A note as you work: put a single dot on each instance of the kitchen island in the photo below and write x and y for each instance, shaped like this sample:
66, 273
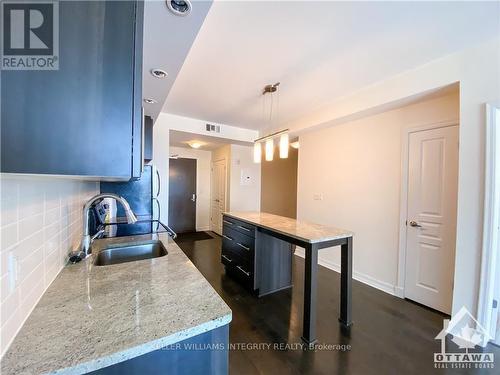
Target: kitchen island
124, 317
257, 247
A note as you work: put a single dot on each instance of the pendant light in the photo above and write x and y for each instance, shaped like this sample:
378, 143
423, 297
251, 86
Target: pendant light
284, 141
257, 152
269, 149
284, 146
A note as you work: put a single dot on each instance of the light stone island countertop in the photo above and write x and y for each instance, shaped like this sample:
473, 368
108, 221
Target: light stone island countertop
301, 230
92, 317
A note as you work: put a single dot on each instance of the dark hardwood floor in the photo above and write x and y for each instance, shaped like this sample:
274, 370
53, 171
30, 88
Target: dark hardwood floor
389, 336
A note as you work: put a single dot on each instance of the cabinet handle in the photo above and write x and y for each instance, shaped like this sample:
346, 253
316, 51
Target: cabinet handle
243, 246
226, 258
227, 222
248, 230
227, 237
242, 270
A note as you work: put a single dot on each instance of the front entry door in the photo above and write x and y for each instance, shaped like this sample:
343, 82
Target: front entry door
432, 214
218, 203
182, 195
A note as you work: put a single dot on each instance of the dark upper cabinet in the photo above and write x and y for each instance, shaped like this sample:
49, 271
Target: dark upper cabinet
148, 139
85, 118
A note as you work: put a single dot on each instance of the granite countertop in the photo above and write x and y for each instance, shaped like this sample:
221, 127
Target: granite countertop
92, 317
301, 230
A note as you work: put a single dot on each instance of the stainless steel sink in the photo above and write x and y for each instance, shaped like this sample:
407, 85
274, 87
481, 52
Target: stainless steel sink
130, 253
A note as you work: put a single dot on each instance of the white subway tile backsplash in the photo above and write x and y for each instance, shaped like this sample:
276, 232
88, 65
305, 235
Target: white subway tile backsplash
29, 245
51, 231
9, 305
29, 225
28, 281
27, 304
52, 244
40, 222
8, 202
51, 256
31, 198
29, 263
52, 215
4, 285
10, 327
8, 235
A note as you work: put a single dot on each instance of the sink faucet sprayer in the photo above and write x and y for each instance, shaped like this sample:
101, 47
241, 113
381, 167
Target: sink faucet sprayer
86, 239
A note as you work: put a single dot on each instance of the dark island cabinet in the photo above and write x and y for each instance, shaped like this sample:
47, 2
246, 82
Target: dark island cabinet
83, 119
259, 262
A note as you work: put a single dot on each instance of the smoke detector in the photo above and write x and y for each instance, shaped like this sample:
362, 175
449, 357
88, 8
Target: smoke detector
179, 7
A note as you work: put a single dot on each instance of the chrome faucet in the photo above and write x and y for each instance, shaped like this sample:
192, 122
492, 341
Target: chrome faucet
86, 239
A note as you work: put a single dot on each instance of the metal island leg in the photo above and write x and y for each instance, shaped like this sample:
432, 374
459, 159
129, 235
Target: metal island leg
310, 294
346, 283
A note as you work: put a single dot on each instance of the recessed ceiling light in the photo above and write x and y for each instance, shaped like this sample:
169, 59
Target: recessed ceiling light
150, 101
179, 7
195, 144
159, 73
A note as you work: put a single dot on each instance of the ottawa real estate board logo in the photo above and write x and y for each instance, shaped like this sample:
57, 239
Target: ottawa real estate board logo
467, 334
30, 35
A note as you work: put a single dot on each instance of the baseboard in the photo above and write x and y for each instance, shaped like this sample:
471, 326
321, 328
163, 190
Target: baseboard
399, 292
203, 229
364, 278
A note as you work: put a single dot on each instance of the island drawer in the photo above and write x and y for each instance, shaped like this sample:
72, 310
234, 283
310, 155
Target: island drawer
239, 244
240, 240
238, 225
230, 251
242, 274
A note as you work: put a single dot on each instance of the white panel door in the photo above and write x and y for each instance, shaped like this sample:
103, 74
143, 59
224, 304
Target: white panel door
432, 213
218, 200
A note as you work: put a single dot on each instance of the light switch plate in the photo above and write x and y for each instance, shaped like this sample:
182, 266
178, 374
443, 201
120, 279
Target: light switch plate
246, 177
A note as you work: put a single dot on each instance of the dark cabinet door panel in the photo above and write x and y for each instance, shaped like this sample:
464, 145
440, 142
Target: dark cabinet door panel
77, 120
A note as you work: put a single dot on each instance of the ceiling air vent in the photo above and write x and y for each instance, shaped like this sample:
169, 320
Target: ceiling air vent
213, 128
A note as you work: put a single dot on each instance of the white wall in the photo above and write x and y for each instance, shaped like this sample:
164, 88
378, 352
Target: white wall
203, 166
41, 221
356, 167
477, 71
244, 192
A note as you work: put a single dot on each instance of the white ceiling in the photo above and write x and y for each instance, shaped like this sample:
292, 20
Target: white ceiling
163, 49
319, 51
208, 143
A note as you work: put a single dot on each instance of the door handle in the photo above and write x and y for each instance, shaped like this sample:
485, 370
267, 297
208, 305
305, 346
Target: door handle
414, 224
226, 258
248, 230
193, 198
227, 237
